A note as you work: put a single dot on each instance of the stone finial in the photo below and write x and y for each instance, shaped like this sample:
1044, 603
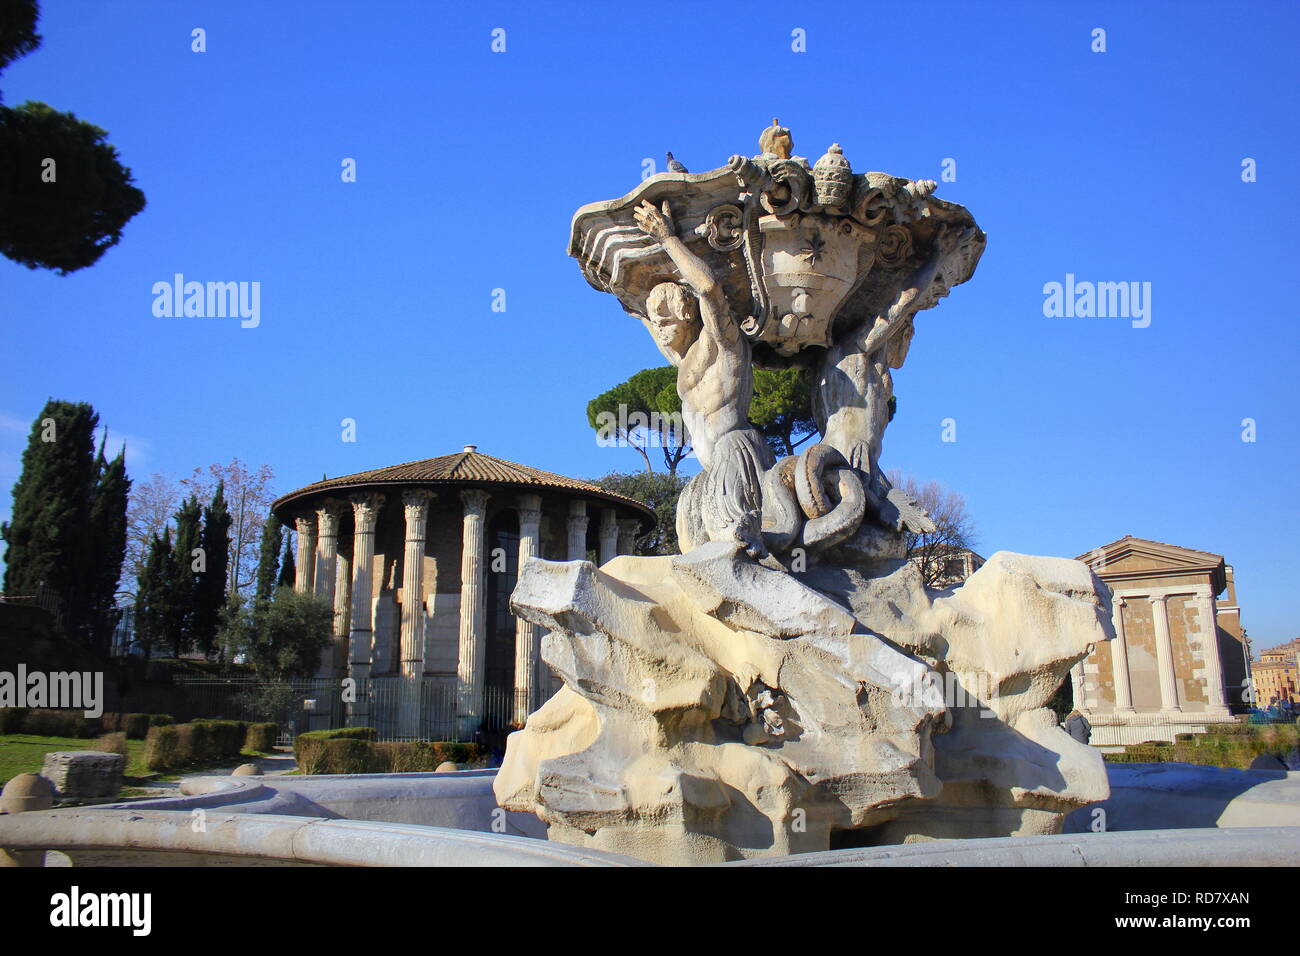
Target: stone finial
27, 791
776, 141
833, 177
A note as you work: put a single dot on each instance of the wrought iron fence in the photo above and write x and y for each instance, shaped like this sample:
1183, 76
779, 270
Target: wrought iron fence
399, 708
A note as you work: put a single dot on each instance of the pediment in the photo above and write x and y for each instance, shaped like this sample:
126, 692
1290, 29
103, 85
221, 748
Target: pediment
1132, 557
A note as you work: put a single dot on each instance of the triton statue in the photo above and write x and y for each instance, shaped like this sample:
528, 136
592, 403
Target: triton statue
788, 677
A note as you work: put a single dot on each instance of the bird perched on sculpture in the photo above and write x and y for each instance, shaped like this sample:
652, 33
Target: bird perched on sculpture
674, 166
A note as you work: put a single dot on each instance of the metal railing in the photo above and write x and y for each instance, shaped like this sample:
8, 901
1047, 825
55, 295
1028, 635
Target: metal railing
399, 708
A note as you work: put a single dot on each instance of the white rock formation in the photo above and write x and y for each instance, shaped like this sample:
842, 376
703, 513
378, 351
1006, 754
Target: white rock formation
683, 737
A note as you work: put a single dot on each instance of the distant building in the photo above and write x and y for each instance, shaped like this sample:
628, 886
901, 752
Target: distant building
419, 561
1178, 661
1276, 675
958, 564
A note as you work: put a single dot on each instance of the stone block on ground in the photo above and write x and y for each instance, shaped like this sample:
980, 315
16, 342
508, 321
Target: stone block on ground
84, 774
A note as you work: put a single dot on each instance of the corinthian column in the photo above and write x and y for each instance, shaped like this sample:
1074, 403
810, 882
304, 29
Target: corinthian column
1164, 653
608, 535
473, 615
627, 532
342, 607
415, 502
327, 551
302, 572
1119, 661
416, 505
577, 530
365, 516
527, 636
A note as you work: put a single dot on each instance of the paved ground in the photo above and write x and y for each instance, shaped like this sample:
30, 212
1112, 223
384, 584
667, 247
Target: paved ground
280, 762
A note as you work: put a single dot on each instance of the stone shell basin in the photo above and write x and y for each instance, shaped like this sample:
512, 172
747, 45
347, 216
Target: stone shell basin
804, 273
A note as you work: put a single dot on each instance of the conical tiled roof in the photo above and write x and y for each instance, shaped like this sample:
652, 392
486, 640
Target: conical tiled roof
469, 468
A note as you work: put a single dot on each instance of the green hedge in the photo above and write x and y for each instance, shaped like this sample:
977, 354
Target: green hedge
174, 746
73, 723
261, 738
135, 726
1224, 745
309, 748
347, 751
48, 723
11, 719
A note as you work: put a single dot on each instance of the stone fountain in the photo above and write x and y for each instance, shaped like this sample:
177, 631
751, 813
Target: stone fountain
787, 684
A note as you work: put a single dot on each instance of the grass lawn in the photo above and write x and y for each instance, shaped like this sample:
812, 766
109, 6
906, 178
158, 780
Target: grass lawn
25, 753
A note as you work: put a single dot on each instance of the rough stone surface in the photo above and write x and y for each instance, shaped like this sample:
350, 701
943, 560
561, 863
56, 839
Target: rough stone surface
84, 774
246, 770
681, 738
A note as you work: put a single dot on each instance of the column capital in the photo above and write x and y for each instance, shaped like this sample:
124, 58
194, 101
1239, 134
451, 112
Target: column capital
416, 497
629, 525
530, 510
327, 516
577, 508
365, 508
1161, 598
305, 524
608, 520
475, 500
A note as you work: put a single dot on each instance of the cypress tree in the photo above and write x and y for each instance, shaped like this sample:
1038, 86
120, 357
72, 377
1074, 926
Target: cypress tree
106, 540
288, 570
51, 504
268, 558
183, 578
153, 592
210, 587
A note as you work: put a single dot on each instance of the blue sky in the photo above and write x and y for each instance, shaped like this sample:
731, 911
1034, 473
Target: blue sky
376, 295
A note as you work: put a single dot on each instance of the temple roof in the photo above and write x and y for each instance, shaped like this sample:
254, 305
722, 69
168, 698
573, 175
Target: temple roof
1131, 543
1131, 558
464, 468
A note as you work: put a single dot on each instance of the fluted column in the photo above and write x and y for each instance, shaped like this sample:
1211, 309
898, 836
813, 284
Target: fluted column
628, 528
327, 549
1164, 653
473, 615
1119, 661
365, 516
608, 535
577, 530
1216, 700
415, 503
342, 607
304, 570
528, 636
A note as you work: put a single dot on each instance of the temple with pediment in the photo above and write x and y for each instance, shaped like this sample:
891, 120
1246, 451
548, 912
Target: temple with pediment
1180, 658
